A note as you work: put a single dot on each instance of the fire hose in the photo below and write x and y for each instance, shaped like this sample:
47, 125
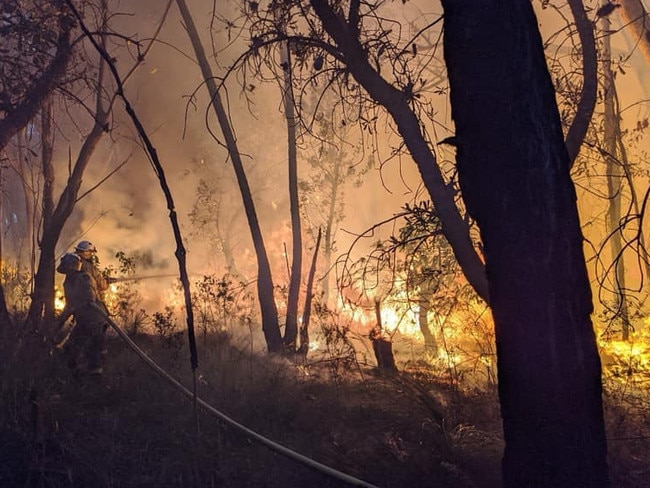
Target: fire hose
274, 446
110, 279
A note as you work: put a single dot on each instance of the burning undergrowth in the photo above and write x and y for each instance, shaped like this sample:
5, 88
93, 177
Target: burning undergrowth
414, 426
131, 429
434, 421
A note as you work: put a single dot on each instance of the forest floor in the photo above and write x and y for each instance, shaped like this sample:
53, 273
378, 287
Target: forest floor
129, 428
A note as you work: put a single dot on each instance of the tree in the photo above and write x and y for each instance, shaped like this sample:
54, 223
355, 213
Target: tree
291, 326
56, 215
36, 51
36, 39
431, 272
369, 64
270, 325
514, 173
214, 219
508, 131
614, 163
335, 167
608, 143
398, 100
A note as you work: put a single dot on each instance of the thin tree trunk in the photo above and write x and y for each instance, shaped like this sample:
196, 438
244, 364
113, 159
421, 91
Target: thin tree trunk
514, 172
5, 318
180, 251
430, 343
614, 174
26, 244
291, 328
270, 325
587, 103
44, 278
309, 293
47, 147
329, 228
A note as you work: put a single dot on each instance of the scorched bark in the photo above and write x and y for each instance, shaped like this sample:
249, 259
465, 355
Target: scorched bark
514, 173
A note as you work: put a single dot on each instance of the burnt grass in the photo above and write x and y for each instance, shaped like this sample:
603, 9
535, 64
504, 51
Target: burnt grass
130, 428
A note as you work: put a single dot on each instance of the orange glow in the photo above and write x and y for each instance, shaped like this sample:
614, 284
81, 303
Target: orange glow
627, 363
59, 300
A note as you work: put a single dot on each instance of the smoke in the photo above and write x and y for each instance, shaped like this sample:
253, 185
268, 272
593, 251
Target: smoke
128, 214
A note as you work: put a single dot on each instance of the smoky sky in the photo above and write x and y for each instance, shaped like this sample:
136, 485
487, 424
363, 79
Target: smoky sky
128, 211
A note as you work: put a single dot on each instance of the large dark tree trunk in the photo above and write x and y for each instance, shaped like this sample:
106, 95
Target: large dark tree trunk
514, 172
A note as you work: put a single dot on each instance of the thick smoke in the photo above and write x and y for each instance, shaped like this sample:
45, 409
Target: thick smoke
127, 213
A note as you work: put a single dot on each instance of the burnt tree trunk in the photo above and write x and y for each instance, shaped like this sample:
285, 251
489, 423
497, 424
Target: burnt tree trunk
5, 318
514, 173
381, 346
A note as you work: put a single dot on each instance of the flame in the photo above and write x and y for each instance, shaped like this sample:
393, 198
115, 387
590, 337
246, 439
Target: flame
59, 300
175, 299
627, 362
449, 357
401, 319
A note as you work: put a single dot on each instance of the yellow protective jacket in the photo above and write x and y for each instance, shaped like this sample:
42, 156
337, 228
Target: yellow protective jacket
101, 283
80, 294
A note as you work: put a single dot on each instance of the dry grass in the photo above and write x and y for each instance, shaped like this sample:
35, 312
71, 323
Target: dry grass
130, 429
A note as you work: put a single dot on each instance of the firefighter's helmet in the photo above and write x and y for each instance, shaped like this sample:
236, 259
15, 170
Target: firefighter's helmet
69, 262
84, 246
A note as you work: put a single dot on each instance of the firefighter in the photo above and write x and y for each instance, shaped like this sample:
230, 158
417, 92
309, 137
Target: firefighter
83, 350
88, 254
